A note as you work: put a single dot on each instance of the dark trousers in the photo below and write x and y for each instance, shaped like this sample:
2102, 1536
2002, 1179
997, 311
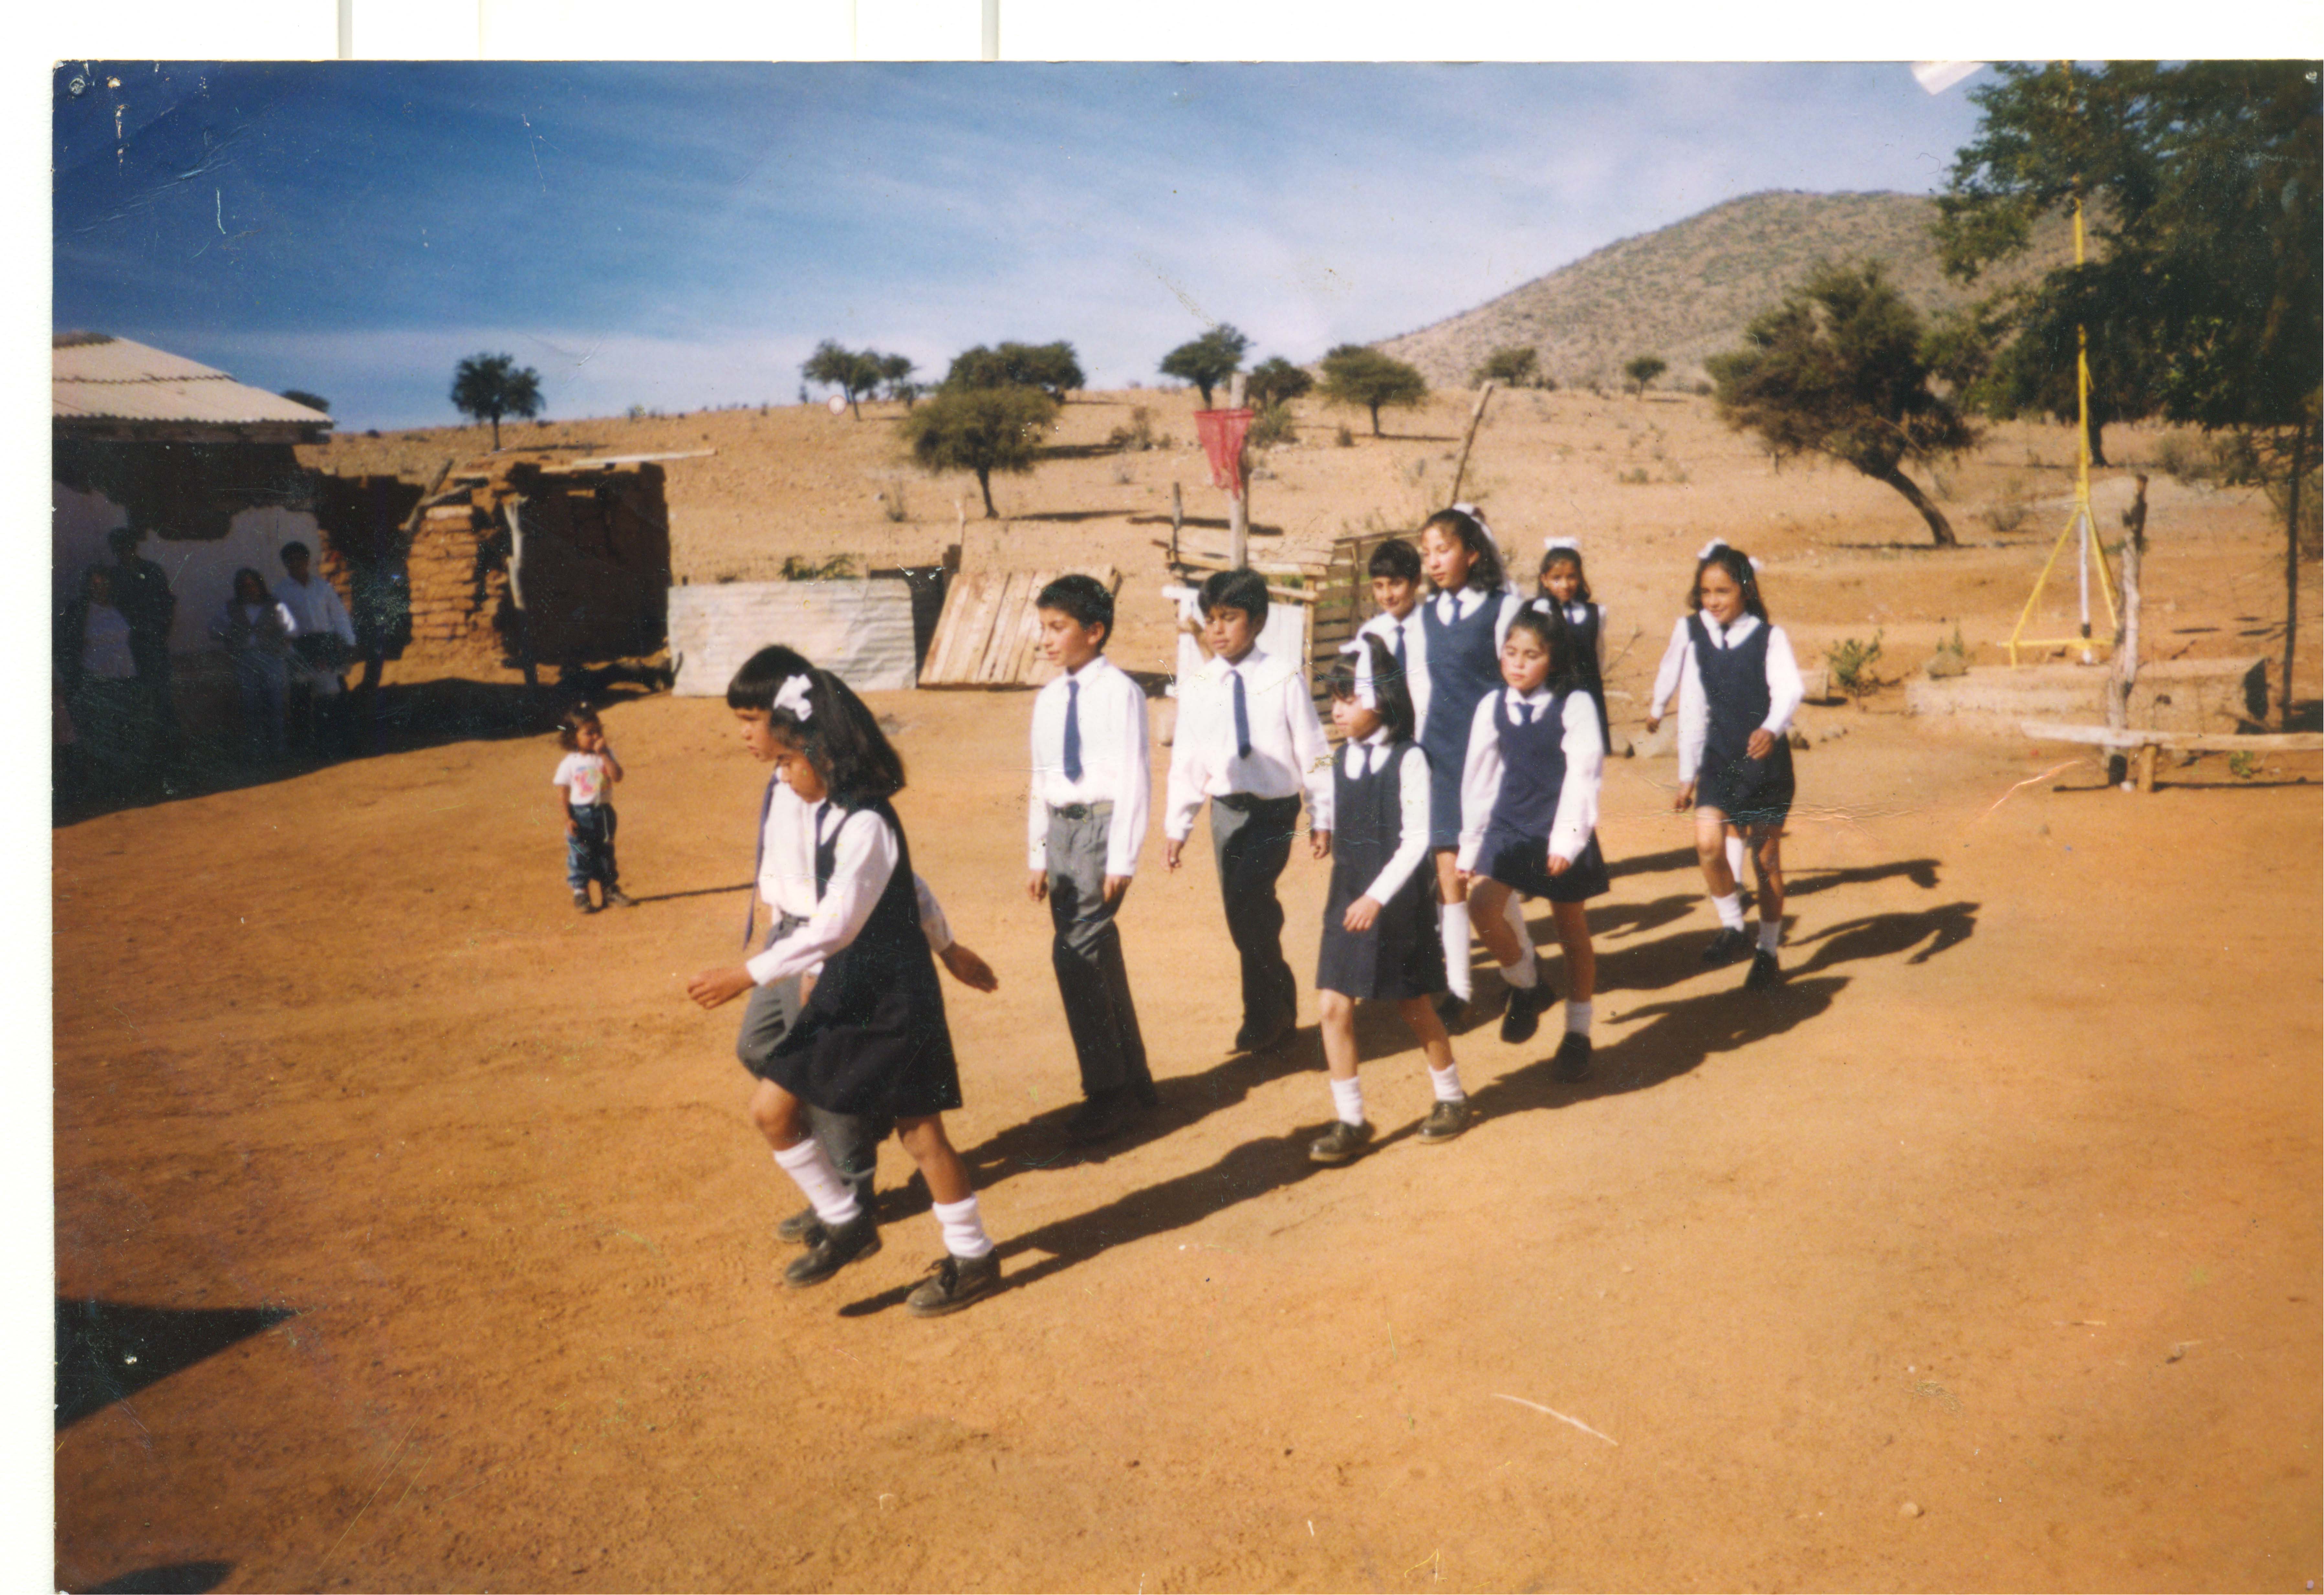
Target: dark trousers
589, 847
1091, 978
851, 1141
1252, 842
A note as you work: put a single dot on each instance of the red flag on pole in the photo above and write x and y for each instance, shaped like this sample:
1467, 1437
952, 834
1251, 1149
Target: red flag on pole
1222, 432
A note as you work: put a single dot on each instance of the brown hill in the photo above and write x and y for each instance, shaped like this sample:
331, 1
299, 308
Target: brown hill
1687, 290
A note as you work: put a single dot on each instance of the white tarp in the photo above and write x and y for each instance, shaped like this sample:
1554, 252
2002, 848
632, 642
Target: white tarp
860, 630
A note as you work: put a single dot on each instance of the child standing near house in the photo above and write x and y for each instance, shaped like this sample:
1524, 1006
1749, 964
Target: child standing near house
1249, 743
586, 777
1564, 585
1666, 680
1379, 920
871, 1040
1530, 805
1086, 823
1739, 687
1464, 619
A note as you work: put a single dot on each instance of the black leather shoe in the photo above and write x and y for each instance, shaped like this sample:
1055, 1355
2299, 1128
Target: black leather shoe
1104, 1117
1764, 972
833, 1250
1523, 1016
1727, 946
957, 1282
1572, 1062
800, 1227
1341, 1143
1444, 1121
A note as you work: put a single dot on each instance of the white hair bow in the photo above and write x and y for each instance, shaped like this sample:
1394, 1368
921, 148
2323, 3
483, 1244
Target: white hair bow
1552, 545
1365, 692
1709, 549
792, 697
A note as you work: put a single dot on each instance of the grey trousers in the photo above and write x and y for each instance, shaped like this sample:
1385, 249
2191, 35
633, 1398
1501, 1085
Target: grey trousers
852, 1142
1091, 978
1252, 844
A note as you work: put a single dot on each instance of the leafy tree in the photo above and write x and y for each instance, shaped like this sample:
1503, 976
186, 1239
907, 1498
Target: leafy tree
2200, 185
896, 373
490, 386
1276, 380
1838, 368
311, 401
982, 429
1513, 365
1643, 371
1209, 360
853, 372
1363, 377
1051, 367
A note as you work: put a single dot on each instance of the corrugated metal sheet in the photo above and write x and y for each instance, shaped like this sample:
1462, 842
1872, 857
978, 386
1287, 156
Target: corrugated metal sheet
121, 380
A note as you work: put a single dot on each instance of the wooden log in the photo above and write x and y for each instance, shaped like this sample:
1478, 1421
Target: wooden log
1475, 416
2195, 741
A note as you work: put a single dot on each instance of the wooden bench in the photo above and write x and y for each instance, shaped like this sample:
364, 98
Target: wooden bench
2145, 743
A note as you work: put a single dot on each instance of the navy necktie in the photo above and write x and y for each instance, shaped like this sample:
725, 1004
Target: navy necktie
1401, 664
1072, 730
1241, 717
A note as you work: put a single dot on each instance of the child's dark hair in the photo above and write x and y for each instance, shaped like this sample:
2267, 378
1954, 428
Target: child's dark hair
762, 676
1084, 597
1396, 559
1548, 621
1486, 574
1737, 563
569, 724
1237, 589
1391, 694
1553, 558
841, 738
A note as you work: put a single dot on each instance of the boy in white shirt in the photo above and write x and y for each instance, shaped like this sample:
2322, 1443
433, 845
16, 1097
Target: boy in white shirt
1249, 742
1086, 823
1397, 589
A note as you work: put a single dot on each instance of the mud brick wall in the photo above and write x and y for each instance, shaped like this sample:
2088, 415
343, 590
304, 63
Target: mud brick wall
458, 572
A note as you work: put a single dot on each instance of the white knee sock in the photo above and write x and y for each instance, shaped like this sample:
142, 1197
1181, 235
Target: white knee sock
964, 1230
1730, 910
1454, 921
1771, 934
1524, 973
1447, 1082
1513, 910
834, 1198
1735, 859
1577, 1017
1348, 1100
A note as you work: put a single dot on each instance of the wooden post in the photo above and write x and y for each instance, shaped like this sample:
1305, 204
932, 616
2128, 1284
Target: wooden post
1239, 502
2302, 463
2146, 755
2124, 674
1178, 520
1475, 416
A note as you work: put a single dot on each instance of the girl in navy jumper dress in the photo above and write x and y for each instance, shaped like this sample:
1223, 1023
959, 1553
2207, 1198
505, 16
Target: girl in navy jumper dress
1462, 621
1739, 685
1529, 819
871, 1040
1380, 920
1564, 586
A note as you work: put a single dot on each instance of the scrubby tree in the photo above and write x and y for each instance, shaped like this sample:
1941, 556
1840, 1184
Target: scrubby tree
1361, 377
1838, 368
1643, 371
982, 430
1513, 365
1276, 380
853, 372
311, 401
896, 375
1209, 360
490, 386
2200, 184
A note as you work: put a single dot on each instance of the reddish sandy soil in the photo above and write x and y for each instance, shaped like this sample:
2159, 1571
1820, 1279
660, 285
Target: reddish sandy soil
1984, 1254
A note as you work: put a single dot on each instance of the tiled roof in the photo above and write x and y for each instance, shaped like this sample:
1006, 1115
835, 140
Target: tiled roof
96, 377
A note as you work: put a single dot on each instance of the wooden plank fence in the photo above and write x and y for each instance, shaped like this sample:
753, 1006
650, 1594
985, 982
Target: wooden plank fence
990, 633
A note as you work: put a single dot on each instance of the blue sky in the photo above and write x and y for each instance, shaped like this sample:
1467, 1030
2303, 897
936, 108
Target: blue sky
679, 235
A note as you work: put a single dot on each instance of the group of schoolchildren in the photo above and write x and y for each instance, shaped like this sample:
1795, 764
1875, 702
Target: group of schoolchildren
1474, 733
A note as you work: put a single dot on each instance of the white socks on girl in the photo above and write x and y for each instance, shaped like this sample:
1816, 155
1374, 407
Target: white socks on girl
1577, 1018
812, 1167
1734, 858
1348, 1100
1771, 934
1730, 910
964, 1230
1454, 924
1525, 974
1447, 1084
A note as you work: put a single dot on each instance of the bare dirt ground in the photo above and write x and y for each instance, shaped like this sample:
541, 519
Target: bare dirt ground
1983, 1254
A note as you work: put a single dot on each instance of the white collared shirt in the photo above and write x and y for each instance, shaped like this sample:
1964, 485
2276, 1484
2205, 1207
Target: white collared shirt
1116, 767
1385, 626
1785, 687
315, 608
1288, 754
1365, 758
787, 883
1577, 795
